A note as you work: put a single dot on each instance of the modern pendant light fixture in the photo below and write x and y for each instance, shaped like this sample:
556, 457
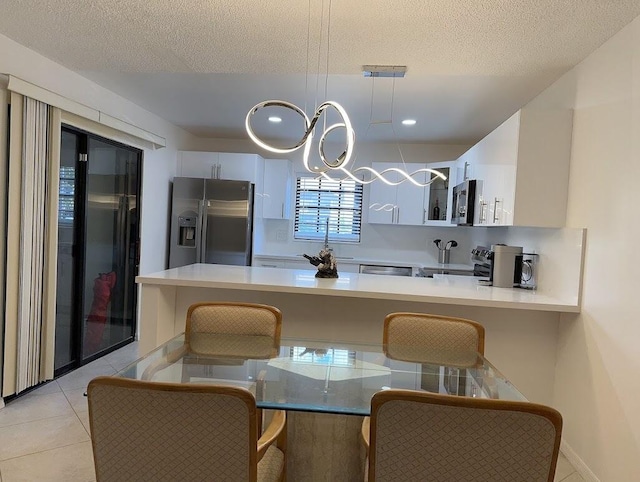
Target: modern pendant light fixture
368, 174
340, 161
339, 165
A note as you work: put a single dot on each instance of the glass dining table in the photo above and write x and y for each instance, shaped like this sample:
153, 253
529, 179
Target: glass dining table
319, 376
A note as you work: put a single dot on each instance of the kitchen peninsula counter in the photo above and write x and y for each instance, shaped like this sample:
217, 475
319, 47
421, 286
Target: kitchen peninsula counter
459, 290
521, 326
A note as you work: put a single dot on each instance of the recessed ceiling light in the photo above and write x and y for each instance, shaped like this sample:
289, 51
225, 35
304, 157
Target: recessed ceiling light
409, 122
273, 118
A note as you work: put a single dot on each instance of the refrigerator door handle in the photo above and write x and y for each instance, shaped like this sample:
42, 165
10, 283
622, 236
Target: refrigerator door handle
200, 233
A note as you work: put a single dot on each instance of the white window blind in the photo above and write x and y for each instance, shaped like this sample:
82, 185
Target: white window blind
66, 195
319, 200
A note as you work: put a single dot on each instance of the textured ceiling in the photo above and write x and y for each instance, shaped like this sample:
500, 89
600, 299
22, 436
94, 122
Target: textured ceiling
203, 63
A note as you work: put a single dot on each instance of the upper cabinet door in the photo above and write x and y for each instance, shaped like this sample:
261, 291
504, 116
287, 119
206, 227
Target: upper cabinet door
382, 197
197, 164
276, 195
410, 198
438, 195
241, 167
524, 168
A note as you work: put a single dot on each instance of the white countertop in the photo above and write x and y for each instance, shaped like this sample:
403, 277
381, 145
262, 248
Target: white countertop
458, 290
371, 261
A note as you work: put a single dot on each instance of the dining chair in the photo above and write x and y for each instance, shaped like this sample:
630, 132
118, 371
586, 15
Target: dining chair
428, 338
428, 437
432, 338
234, 329
155, 431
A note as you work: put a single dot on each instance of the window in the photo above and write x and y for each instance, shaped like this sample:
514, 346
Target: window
319, 200
66, 194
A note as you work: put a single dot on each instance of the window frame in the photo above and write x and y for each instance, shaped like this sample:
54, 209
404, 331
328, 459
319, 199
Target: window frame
345, 216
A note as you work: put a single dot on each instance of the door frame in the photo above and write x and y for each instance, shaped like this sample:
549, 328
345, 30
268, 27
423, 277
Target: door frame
79, 241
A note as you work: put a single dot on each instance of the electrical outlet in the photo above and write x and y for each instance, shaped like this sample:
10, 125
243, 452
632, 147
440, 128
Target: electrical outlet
281, 235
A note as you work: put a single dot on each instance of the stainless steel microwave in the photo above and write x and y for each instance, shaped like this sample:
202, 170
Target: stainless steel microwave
464, 200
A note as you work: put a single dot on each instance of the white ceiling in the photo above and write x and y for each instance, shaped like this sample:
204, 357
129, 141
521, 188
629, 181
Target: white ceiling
202, 64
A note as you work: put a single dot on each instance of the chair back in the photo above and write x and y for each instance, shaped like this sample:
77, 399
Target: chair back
432, 338
421, 436
233, 329
150, 431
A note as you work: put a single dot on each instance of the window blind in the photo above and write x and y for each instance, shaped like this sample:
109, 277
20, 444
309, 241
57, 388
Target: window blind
318, 200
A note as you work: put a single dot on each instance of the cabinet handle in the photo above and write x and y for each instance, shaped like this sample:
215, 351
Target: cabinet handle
424, 216
398, 215
495, 210
268, 265
219, 171
282, 211
483, 212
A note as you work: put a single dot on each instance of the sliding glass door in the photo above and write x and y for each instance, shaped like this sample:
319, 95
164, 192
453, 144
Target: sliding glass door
97, 247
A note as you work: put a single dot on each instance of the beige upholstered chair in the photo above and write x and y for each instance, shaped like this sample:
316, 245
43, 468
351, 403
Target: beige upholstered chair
429, 338
426, 437
150, 431
426, 338
233, 329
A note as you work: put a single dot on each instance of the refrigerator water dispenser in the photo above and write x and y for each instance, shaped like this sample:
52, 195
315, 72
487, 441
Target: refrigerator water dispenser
187, 227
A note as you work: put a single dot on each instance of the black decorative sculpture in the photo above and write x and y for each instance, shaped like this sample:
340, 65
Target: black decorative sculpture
326, 264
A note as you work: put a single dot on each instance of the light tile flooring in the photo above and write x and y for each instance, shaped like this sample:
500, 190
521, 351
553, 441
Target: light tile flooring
44, 435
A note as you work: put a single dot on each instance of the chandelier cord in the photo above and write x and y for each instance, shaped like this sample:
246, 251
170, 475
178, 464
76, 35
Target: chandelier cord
306, 75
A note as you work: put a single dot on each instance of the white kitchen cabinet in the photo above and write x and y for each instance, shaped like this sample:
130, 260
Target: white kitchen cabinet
524, 168
241, 167
400, 204
269, 262
408, 204
225, 165
276, 189
348, 267
221, 165
439, 193
197, 164
301, 263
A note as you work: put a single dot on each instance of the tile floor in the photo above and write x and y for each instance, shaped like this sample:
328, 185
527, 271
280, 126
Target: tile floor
44, 435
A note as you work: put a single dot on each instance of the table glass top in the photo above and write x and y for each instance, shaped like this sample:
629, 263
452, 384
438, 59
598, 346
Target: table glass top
319, 376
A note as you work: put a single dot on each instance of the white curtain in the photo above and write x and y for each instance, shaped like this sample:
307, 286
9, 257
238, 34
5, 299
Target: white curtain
28, 306
32, 236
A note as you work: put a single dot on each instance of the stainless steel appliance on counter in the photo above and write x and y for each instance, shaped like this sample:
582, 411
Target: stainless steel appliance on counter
506, 266
464, 199
211, 222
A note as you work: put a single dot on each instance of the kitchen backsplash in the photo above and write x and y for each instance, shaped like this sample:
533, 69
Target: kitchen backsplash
378, 241
560, 251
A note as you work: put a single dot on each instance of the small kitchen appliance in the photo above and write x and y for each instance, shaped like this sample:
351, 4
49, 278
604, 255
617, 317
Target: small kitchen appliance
464, 198
506, 266
529, 262
505, 271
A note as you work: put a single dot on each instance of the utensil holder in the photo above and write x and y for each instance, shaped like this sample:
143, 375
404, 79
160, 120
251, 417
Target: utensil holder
444, 256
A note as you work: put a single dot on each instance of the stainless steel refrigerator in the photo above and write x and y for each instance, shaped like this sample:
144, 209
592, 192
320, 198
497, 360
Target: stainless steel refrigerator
211, 222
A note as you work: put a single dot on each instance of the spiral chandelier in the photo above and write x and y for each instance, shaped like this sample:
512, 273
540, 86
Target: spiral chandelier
339, 166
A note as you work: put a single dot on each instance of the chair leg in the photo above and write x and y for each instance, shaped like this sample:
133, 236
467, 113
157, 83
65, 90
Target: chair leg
259, 421
281, 443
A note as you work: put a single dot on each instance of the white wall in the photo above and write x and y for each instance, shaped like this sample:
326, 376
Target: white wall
597, 386
158, 166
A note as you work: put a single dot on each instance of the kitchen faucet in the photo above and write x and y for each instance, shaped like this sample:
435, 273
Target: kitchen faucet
326, 236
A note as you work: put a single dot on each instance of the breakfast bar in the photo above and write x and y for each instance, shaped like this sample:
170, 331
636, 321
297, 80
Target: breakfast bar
521, 325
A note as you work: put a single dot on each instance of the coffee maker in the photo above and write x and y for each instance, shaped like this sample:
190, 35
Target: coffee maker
506, 266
